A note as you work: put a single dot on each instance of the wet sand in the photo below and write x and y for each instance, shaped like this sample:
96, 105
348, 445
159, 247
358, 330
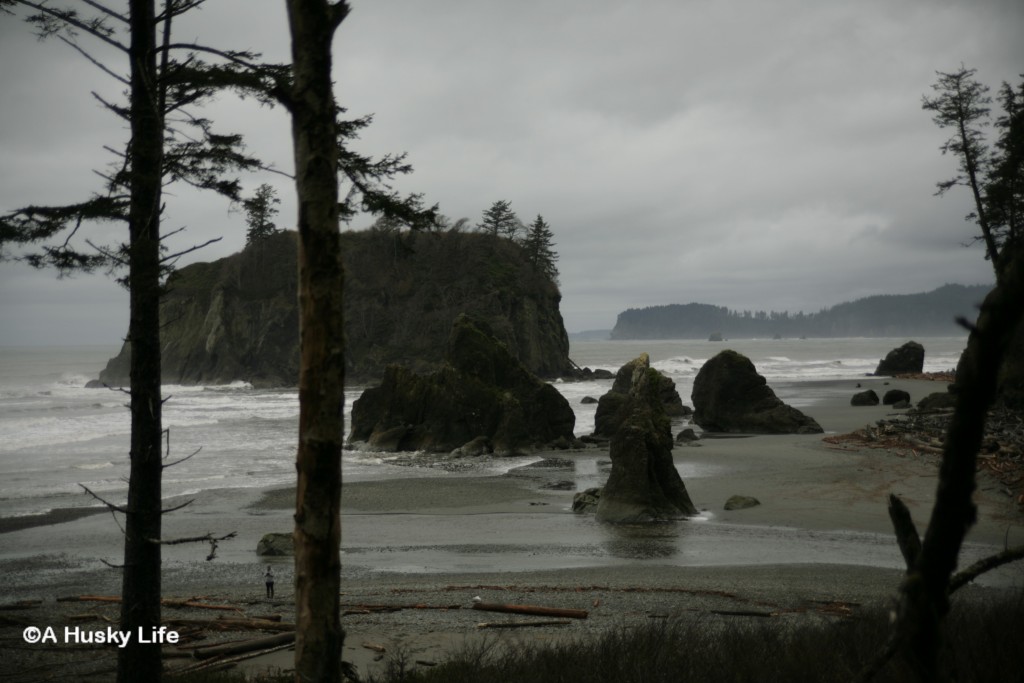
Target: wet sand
821, 535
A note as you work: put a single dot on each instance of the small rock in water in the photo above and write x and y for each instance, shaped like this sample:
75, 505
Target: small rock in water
741, 502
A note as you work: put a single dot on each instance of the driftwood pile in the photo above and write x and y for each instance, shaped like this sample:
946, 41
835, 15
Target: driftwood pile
917, 432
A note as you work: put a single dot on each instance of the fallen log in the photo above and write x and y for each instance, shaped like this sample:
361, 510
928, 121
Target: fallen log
166, 602
232, 624
523, 624
533, 610
231, 649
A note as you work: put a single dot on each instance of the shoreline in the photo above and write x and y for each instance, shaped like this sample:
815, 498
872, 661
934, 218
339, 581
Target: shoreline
820, 536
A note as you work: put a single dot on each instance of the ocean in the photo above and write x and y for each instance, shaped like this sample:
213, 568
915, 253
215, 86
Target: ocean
57, 436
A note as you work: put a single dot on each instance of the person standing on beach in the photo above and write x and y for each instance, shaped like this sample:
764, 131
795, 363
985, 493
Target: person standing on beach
269, 577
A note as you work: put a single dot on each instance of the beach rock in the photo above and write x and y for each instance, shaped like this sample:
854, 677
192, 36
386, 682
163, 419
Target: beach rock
729, 396
901, 404
939, 400
588, 400
476, 447
864, 398
610, 408
686, 436
715, 337
894, 396
741, 502
276, 545
482, 395
586, 501
908, 358
644, 484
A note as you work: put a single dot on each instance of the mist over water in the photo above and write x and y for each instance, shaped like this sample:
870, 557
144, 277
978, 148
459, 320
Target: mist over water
55, 434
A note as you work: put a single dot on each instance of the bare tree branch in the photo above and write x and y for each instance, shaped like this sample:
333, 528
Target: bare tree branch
113, 507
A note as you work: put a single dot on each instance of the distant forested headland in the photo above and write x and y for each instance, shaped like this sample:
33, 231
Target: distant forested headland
892, 315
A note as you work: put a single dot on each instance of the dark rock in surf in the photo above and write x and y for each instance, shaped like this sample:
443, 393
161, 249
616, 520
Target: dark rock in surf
864, 398
481, 398
730, 396
894, 396
907, 359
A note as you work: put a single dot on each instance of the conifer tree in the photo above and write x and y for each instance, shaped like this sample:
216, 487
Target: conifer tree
501, 221
539, 244
169, 142
993, 173
260, 210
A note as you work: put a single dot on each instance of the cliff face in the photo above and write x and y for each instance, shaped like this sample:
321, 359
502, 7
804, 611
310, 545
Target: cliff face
237, 318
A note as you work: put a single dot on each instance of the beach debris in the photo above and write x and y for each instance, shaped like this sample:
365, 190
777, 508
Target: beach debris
730, 396
244, 646
644, 484
375, 647
922, 431
532, 610
908, 358
166, 602
523, 624
737, 502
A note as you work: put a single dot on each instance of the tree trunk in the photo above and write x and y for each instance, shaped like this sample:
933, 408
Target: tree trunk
925, 592
319, 636
140, 591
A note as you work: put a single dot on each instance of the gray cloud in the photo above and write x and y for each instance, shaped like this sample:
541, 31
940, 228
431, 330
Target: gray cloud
742, 153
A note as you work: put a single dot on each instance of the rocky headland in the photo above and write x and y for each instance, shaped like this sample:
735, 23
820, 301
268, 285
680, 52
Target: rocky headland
236, 318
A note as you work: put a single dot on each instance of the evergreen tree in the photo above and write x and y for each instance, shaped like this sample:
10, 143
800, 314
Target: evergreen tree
260, 210
499, 220
994, 174
539, 244
169, 142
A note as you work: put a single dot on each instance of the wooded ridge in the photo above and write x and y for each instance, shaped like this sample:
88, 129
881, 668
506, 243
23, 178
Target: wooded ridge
931, 313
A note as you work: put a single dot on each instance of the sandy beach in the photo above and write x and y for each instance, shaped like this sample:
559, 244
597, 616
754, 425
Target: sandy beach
818, 546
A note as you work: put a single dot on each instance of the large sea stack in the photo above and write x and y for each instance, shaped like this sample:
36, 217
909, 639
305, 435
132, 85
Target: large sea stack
730, 396
644, 485
236, 318
612, 406
906, 359
481, 399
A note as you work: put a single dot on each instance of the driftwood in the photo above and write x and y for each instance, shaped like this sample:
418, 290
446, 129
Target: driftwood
166, 602
223, 663
233, 624
533, 610
523, 624
231, 649
21, 604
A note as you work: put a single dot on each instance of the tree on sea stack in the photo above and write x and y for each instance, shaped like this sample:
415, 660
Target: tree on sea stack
500, 220
539, 244
260, 210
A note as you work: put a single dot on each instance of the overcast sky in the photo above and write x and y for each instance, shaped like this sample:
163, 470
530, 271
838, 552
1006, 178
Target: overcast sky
751, 154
